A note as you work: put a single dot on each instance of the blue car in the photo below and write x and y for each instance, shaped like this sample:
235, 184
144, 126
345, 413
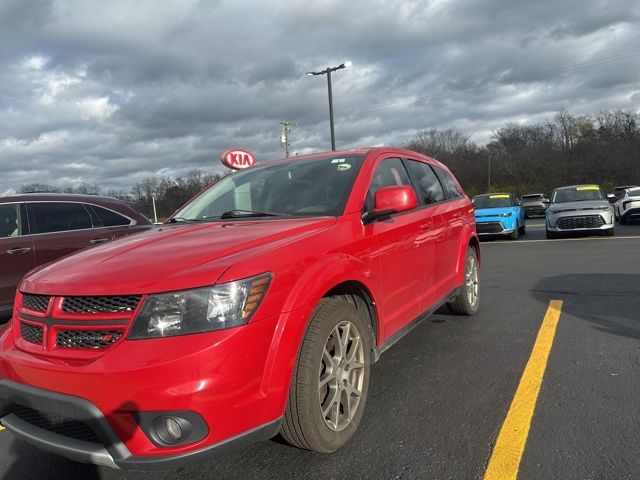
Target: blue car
499, 214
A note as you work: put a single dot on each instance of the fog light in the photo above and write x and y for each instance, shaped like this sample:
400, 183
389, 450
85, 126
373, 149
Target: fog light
171, 430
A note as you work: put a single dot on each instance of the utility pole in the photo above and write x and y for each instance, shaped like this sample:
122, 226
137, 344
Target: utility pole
327, 71
489, 172
286, 131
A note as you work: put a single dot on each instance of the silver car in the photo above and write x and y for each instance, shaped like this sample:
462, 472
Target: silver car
579, 208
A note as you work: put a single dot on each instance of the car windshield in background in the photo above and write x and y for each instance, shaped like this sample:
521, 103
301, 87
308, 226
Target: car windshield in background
301, 188
492, 201
577, 194
531, 197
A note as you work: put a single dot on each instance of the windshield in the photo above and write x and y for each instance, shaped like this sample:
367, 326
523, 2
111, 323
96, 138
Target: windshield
301, 188
492, 201
532, 197
577, 194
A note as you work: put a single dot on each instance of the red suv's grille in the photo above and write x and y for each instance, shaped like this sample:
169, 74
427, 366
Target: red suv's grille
87, 338
100, 304
31, 333
79, 324
39, 303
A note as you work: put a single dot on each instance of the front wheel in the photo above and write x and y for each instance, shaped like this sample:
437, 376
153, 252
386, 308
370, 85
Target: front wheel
331, 378
523, 229
468, 300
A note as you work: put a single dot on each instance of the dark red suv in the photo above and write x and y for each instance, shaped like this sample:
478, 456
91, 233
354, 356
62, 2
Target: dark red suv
39, 228
257, 310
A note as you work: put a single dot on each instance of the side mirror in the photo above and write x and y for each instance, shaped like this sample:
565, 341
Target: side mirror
611, 197
390, 200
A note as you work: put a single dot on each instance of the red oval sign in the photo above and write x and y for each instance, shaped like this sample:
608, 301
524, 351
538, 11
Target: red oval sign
238, 159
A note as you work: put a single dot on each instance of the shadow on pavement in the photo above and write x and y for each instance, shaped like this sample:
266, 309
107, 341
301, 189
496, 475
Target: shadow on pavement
611, 301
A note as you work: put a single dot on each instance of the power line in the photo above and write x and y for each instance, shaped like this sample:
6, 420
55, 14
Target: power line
533, 76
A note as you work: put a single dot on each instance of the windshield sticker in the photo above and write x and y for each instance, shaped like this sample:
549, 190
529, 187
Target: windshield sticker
498, 196
338, 160
343, 167
581, 189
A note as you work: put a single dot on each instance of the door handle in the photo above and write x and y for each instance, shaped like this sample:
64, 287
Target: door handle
18, 251
98, 240
426, 226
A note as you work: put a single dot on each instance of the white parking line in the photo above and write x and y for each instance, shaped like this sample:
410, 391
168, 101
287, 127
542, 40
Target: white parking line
628, 237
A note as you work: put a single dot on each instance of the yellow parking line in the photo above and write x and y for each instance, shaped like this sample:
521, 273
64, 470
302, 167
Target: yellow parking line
507, 452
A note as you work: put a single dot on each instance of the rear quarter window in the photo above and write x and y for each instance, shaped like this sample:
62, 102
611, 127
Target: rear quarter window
449, 185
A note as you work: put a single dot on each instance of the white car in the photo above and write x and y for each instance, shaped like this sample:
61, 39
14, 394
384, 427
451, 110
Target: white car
627, 207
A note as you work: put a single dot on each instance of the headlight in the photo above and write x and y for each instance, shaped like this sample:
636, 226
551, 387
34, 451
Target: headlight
505, 214
603, 208
200, 310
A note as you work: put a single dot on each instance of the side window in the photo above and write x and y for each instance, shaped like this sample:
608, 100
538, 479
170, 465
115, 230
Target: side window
59, 217
449, 184
11, 221
110, 218
430, 188
387, 174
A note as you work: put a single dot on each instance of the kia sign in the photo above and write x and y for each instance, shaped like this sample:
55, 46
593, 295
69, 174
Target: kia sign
238, 159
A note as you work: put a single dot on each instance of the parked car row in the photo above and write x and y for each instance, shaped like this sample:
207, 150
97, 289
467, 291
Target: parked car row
575, 208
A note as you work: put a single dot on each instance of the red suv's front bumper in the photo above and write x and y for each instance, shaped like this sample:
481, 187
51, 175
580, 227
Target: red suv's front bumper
236, 381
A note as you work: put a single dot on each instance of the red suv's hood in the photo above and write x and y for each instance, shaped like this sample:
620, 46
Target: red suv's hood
171, 257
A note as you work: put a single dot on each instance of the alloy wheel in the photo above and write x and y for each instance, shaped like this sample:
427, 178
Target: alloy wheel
341, 376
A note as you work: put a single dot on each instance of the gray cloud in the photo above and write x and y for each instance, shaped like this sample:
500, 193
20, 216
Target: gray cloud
111, 92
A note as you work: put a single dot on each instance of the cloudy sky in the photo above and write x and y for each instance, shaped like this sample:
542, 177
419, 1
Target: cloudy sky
111, 92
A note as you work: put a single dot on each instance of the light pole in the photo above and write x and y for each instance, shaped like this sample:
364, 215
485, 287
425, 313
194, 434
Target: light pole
327, 71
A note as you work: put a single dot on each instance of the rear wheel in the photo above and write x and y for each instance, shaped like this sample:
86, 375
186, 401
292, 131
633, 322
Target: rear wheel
331, 378
468, 300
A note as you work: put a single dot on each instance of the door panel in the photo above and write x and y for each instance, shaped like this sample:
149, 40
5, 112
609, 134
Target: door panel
16, 250
454, 216
405, 250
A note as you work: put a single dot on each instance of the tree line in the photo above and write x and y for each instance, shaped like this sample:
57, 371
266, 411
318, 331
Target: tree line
169, 193
602, 148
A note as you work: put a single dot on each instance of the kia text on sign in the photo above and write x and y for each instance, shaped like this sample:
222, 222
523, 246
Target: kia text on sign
238, 159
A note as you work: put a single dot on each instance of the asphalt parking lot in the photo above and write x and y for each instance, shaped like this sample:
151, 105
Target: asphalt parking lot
439, 398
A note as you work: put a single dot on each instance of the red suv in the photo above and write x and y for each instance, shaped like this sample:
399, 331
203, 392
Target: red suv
256, 310
39, 228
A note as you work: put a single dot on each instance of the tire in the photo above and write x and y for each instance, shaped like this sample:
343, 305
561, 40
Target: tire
551, 235
622, 220
610, 232
305, 425
465, 303
515, 234
523, 229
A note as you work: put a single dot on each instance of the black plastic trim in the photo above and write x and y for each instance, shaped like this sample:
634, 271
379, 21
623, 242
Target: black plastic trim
77, 408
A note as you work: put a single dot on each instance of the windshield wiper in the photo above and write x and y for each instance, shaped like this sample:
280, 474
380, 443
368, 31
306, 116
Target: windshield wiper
237, 213
182, 219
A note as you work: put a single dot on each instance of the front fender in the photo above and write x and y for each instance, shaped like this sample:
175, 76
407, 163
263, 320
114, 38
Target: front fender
298, 308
